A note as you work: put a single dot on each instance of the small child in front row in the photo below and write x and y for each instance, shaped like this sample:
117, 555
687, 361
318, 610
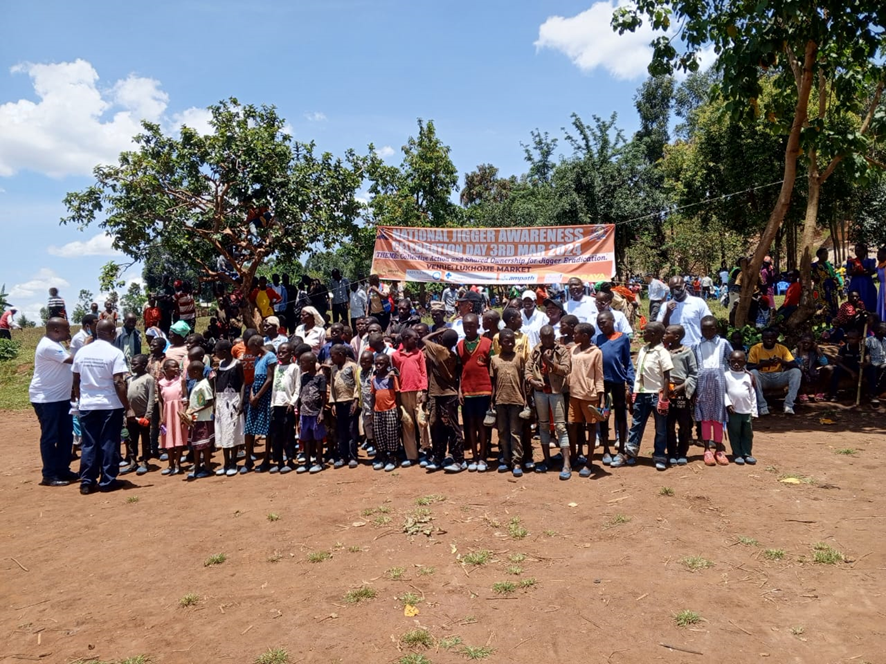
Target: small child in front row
173, 431
385, 413
230, 400
684, 376
281, 433
202, 428
311, 402
653, 376
364, 377
507, 369
741, 404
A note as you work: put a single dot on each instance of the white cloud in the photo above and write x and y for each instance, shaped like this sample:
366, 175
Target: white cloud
590, 42
39, 284
363, 196
98, 245
316, 116
195, 118
385, 151
31, 310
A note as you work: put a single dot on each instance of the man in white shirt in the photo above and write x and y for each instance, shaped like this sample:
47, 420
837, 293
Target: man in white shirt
684, 309
100, 384
359, 303
280, 289
658, 293
707, 286
50, 395
533, 319
579, 304
603, 302
87, 332
449, 296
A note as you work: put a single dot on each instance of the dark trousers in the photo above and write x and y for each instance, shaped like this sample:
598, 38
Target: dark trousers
165, 320
741, 434
646, 404
346, 430
445, 429
616, 392
56, 438
678, 444
155, 432
139, 433
869, 373
510, 432
100, 449
281, 435
5, 334
340, 313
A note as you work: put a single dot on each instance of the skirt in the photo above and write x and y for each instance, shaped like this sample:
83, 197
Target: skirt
386, 427
710, 404
258, 419
228, 420
202, 435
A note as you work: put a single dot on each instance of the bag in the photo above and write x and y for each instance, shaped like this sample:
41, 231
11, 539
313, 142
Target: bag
386, 305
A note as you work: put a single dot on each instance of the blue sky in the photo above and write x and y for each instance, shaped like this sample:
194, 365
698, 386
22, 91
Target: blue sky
76, 78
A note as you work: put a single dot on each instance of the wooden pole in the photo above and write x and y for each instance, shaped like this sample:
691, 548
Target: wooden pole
864, 336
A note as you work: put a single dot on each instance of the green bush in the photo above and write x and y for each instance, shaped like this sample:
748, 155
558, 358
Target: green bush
9, 349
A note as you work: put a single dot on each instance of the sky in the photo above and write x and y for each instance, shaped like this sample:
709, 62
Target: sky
76, 80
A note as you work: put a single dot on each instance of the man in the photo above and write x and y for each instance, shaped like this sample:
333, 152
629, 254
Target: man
658, 293
129, 339
86, 333
7, 323
166, 300
449, 297
151, 312
469, 303
100, 385
533, 319
438, 316
264, 297
405, 318
684, 309
50, 395
338, 289
186, 306
579, 304
93, 308
56, 305
724, 274
280, 289
291, 319
359, 303
772, 365
707, 286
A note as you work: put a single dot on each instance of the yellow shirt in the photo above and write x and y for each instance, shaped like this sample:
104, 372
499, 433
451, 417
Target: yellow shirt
759, 353
521, 346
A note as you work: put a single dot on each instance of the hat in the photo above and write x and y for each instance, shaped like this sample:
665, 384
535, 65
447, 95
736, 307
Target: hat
530, 294
553, 303
273, 320
318, 319
470, 296
436, 305
180, 328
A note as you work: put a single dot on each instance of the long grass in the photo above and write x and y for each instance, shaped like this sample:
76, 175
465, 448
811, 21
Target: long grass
15, 375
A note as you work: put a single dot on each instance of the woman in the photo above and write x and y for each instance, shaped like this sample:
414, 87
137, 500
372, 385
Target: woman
319, 297
311, 329
177, 350
881, 277
379, 302
861, 270
258, 415
825, 285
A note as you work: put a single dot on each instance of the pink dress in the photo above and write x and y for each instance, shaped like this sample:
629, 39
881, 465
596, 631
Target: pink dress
171, 395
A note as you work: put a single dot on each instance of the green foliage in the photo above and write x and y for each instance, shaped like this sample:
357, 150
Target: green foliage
360, 594
215, 559
9, 349
686, 618
826, 555
26, 322
133, 301
273, 656
504, 587
4, 299
84, 300
417, 638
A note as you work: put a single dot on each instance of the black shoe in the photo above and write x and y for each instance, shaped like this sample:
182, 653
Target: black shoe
85, 489
70, 476
116, 485
52, 482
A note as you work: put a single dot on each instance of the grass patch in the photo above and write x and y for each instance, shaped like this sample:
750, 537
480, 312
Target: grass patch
449, 642
418, 522
410, 598
15, 374
138, 659
417, 638
215, 559
527, 583
477, 652
798, 631
361, 594
275, 557
429, 499
847, 451
383, 509
477, 558
355, 549
273, 656
468, 620
369, 511
747, 541
551, 533
395, 573
686, 618
132, 499
426, 571
504, 587
825, 554
413, 658
191, 599
695, 563
666, 491
773, 554
516, 529
319, 556
517, 557
381, 520
273, 516
515, 569
618, 520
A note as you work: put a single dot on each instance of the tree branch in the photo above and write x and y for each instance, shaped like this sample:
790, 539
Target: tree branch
795, 66
876, 102
830, 169
822, 94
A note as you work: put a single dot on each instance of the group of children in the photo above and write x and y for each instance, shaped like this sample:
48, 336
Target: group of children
427, 398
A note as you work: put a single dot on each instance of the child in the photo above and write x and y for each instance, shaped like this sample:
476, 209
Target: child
741, 403
364, 375
311, 402
173, 433
333, 338
815, 369
475, 389
737, 341
618, 378
443, 393
413, 373
202, 428
491, 324
567, 330
258, 416
712, 358
385, 388
155, 369
140, 392
513, 321
653, 376
344, 390
230, 398
547, 373
281, 433
507, 369
586, 395
852, 358
682, 386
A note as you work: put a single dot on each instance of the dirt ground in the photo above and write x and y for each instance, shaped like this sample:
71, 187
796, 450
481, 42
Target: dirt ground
101, 577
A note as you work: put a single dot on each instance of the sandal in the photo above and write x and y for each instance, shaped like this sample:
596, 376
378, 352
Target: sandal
819, 397
709, 458
803, 398
721, 458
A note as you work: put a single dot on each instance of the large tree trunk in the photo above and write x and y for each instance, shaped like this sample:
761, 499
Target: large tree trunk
807, 306
792, 152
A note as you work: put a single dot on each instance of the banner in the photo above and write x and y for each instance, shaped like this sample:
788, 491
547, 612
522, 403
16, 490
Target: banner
525, 255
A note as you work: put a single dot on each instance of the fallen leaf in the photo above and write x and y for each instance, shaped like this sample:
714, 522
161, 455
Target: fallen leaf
789, 480
573, 504
410, 611
357, 524
826, 420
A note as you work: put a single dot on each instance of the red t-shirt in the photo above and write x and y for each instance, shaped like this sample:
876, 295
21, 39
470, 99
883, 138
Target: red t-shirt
792, 297
247, 360
475, 381
413, 370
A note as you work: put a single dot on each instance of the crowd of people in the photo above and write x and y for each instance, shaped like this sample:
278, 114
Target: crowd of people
346, 374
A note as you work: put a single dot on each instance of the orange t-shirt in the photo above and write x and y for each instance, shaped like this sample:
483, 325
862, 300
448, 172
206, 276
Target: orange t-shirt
385, 392
247, 360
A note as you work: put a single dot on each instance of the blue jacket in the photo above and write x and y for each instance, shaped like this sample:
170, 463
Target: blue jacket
617, 364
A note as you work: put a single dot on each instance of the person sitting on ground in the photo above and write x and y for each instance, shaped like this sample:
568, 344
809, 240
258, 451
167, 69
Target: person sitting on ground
852, 358
792, 296
851, 316
815, 369
773, 366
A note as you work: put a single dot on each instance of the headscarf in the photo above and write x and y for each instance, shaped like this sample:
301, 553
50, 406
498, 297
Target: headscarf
318, 319
180, 328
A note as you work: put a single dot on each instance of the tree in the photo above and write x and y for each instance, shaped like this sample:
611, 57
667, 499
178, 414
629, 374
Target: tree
539, 154
245, 192
26, 322
44, 314
484, 186
84, 301
4, 298
133, 301
800, 45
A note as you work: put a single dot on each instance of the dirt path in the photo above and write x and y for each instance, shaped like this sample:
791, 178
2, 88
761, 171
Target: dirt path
106, 573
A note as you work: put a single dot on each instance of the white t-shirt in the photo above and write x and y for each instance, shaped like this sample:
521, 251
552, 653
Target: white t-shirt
740, 393
658, 290
79, 340
619, 320
585, 309
97, 365
358, 303
52, 377
532, 325
688, 313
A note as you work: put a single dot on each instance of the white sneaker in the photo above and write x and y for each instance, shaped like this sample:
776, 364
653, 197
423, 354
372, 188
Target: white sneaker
789, 411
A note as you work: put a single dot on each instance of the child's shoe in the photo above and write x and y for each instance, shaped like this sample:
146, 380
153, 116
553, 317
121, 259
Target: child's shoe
221, 471
490, 419
529, 465
285, 469
454, 467
203, 474
541, 468
607, 459
517, 472
525, 414
739, 461
587, 471
672, 462
389, 467
339, 463
618, 461
721, 458
432, 467
565, 475
301, 469
709, 458
661, 465
274, 469
682, 461
750, 460
353, 463
481, 467
316, 468
230, 472
142, 469
503, 468
472, 467
378, 465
